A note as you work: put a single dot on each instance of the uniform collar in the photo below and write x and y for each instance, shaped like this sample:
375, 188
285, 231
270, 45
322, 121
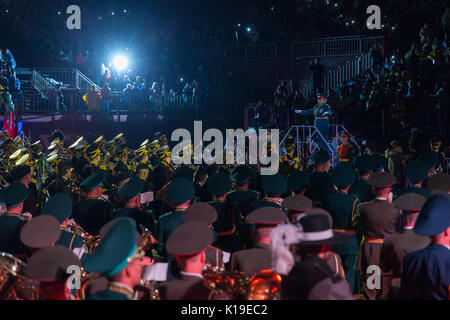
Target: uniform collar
122, 289
440, 247
189, 274
262, 245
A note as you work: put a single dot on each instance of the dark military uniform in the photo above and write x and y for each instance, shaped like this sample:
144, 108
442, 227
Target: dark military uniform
253, 260
375, 220
265, 202
321, 186
426, 274
10, 226
342, 208
259, 258
312, 279
422, 191
394, 250
112, 255
60, 185
322, 114
113, 292
243, 197
185, 287
70, 240
227, 226
167, 223
10, 223
142, 217
92, 214
30, 204
161, 175
362, 190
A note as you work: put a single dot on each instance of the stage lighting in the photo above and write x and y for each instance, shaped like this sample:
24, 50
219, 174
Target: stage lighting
181, 79
249, 29
120, 63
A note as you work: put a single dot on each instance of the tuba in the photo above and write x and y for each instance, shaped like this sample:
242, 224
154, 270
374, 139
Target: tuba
14, 285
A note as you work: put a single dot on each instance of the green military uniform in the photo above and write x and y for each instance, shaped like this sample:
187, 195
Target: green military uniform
274, 186
206, 213
360, 188
342, 208
60, 207
179, 191
242, 196
375, 220
143, 218
321, 185
416, 172
299, 182
12, 223
229, 223
397, 246
296, 206
254, 260
92, 214
188, 285
114, 252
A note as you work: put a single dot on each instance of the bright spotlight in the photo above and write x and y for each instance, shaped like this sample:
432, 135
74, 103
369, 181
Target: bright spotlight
249, 29
120, 63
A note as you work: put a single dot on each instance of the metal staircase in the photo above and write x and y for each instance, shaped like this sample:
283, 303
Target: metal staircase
306, 138
36, 97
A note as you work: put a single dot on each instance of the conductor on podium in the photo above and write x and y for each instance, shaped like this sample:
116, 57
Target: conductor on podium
322, 113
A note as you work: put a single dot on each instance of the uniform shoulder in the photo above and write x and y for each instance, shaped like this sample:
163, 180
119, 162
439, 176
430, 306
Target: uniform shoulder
362, 204
165, 216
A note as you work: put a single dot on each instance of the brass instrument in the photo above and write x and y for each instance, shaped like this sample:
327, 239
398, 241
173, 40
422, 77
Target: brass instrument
148, 240
90, 241
103, 164
265, 285
147, 290
225, 284
86, 280
14, 285
26, 216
